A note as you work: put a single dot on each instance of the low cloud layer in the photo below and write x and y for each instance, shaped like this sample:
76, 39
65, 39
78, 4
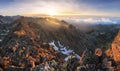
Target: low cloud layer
100, 20
93, 20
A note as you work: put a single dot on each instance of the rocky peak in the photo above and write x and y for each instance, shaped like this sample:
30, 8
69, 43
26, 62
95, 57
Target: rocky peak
116, 48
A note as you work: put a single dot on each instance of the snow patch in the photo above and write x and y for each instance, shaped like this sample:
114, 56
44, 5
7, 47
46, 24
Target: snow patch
72, 56
65, 51
77, 56
60, 44
67, 58
54, 46
62, 49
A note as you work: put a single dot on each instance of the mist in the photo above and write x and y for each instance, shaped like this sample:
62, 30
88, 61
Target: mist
89, 23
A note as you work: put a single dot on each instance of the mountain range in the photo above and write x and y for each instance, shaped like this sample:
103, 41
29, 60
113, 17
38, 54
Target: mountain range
45, 38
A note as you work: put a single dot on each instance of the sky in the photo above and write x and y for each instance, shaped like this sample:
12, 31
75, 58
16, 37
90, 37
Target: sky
60, 7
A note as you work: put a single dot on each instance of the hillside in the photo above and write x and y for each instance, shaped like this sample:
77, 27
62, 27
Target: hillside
27, 43
32, 37
47, 30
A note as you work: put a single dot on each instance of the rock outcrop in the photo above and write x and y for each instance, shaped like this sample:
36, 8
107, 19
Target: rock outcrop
116, 48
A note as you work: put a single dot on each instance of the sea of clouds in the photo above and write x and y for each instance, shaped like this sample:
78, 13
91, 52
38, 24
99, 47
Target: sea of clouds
91, 20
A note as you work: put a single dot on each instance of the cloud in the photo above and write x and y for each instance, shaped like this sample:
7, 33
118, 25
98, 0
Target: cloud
100, 20
82, 7
92, 20
42, 6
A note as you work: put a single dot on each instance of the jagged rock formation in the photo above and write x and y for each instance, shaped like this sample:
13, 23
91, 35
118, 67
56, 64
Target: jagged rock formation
114, 52
116, 48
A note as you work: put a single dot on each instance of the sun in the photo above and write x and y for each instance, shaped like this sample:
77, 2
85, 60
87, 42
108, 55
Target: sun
52, 13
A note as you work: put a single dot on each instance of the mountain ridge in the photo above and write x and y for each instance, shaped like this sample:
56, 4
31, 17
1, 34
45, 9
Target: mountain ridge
51, 39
